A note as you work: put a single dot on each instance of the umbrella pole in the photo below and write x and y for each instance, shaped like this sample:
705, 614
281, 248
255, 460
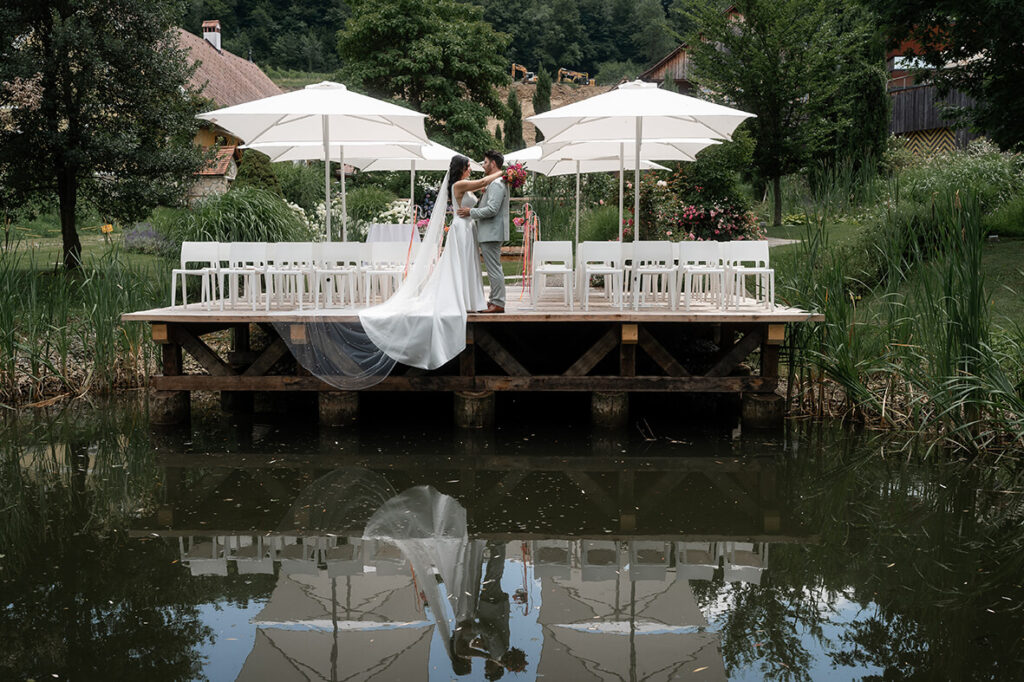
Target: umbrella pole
344, 207
622, 173
577, 203
412, 193
327, 175
636, 204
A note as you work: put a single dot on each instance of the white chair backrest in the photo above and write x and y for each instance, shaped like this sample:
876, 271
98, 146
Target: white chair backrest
224, 252
552, 252
700, 253
607, 253
388, 253
335, 254
248, 253
206, 253
290, 253
746, 253
654, 253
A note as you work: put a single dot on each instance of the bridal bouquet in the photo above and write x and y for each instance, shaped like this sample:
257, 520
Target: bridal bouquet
515, 175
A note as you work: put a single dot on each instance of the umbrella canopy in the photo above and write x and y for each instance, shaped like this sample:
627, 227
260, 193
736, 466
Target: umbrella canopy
612, 116
679, 149
323, 113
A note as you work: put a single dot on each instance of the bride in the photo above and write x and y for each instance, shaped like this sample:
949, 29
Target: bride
424, 323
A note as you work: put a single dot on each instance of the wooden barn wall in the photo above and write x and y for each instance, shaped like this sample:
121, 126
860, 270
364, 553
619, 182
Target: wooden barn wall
915, 108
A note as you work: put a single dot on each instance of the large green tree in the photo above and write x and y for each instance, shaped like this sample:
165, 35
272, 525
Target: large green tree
437, 55
973, 46
796, 66
98, 107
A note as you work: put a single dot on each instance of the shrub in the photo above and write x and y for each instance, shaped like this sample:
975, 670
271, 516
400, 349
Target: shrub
1007, 220
241, 215
301, 184
366, 203
600, 224
255, 171
144, 238
980, 169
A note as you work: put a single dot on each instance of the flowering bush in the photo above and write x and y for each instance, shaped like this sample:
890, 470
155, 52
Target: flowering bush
715, 222
143, 238
396, 212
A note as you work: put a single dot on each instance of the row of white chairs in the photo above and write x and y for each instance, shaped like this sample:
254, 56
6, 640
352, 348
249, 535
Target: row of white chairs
292, 272
714, 272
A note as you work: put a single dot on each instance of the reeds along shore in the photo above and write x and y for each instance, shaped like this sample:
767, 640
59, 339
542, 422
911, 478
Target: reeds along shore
907, 342
61, 333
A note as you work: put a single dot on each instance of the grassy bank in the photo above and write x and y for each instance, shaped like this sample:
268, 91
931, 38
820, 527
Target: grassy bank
61, 333
923, 327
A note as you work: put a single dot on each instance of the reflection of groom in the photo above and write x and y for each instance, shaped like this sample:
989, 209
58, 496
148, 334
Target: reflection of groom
491, 216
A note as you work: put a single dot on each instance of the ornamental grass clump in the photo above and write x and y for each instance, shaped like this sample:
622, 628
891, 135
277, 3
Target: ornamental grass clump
245, 214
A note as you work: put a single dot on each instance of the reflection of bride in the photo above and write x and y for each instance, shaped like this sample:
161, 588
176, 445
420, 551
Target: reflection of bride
430, 530
424, 323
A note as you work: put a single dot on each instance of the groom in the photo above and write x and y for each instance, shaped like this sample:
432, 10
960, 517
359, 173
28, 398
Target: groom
491, 216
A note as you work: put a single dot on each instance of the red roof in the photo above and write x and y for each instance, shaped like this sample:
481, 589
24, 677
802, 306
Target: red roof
221, 162
225, 78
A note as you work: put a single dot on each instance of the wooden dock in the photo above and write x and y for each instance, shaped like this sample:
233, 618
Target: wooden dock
548, 347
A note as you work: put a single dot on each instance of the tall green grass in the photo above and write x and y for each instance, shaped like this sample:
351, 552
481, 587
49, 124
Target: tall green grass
244, 214
61, 333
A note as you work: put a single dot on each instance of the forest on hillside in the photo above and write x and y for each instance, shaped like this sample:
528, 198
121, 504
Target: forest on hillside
612, 37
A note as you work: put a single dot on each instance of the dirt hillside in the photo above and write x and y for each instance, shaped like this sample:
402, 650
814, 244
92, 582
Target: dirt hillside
561, 94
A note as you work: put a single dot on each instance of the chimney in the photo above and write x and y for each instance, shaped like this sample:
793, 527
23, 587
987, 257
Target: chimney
211, 31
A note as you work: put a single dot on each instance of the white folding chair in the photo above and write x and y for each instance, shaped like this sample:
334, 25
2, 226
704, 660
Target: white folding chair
743, 562
654, 269
207, 255
648, 559
246, 264
385, 269
600, 560
338, 269
552, 259
696, 560
600, 259
251, 555
289, 269
204, 558
749, 259
701, 272
551, 558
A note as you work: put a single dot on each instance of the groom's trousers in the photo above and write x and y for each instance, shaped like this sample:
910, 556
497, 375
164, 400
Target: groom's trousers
495, 275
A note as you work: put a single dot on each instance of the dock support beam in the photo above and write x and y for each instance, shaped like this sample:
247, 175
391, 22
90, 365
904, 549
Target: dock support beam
169, 408
474, 409
338, 409
609, 410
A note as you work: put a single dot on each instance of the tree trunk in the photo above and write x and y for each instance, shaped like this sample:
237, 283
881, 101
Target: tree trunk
777, 200
67, 196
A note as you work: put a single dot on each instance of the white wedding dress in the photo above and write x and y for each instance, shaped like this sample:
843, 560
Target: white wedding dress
424, 323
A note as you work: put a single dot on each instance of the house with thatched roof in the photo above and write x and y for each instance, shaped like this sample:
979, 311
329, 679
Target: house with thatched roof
226, 80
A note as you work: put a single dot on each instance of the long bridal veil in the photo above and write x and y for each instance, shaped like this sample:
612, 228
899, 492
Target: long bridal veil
422, 325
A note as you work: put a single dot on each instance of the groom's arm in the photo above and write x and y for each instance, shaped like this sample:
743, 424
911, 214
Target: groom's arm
492, 204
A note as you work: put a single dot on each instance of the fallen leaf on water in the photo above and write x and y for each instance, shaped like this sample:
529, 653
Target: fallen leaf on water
697, 670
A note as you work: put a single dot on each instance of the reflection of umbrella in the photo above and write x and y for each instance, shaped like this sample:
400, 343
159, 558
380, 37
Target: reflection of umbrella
643, 110
551, 166
622, 629
309, 116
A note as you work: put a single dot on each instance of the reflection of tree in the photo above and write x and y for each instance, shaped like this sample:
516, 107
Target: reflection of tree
84, 601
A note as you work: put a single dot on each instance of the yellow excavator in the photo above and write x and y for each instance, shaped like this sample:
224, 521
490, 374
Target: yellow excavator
577, 77
519, 73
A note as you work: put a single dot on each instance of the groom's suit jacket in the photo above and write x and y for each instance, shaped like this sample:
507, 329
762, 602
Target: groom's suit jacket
491, 214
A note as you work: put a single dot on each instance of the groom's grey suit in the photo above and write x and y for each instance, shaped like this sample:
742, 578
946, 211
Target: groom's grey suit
491, 216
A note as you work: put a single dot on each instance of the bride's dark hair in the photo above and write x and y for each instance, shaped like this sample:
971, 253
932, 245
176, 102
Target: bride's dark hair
457, 167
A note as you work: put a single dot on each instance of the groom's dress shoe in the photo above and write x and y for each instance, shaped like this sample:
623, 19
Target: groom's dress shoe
494, 309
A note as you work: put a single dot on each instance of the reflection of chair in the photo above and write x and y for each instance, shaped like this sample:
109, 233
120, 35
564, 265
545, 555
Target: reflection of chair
695, 560
648, 560
743, 561
386, 557
551, 558
343, 559
204, 557
296, 558
600, 560
252, 557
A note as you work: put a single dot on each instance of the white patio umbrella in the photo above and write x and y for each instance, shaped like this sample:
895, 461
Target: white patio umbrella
531, 159
309, 116
644, 110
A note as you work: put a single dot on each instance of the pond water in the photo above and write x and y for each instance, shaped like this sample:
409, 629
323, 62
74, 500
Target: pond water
266, 548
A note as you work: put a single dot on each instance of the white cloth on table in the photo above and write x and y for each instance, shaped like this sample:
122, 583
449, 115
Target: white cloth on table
380, 232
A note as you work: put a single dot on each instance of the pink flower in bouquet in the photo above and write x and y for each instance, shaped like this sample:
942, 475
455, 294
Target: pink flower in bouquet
515, 175
421, 224
519, 221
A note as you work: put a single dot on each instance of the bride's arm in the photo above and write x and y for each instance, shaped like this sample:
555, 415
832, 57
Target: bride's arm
463, 186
